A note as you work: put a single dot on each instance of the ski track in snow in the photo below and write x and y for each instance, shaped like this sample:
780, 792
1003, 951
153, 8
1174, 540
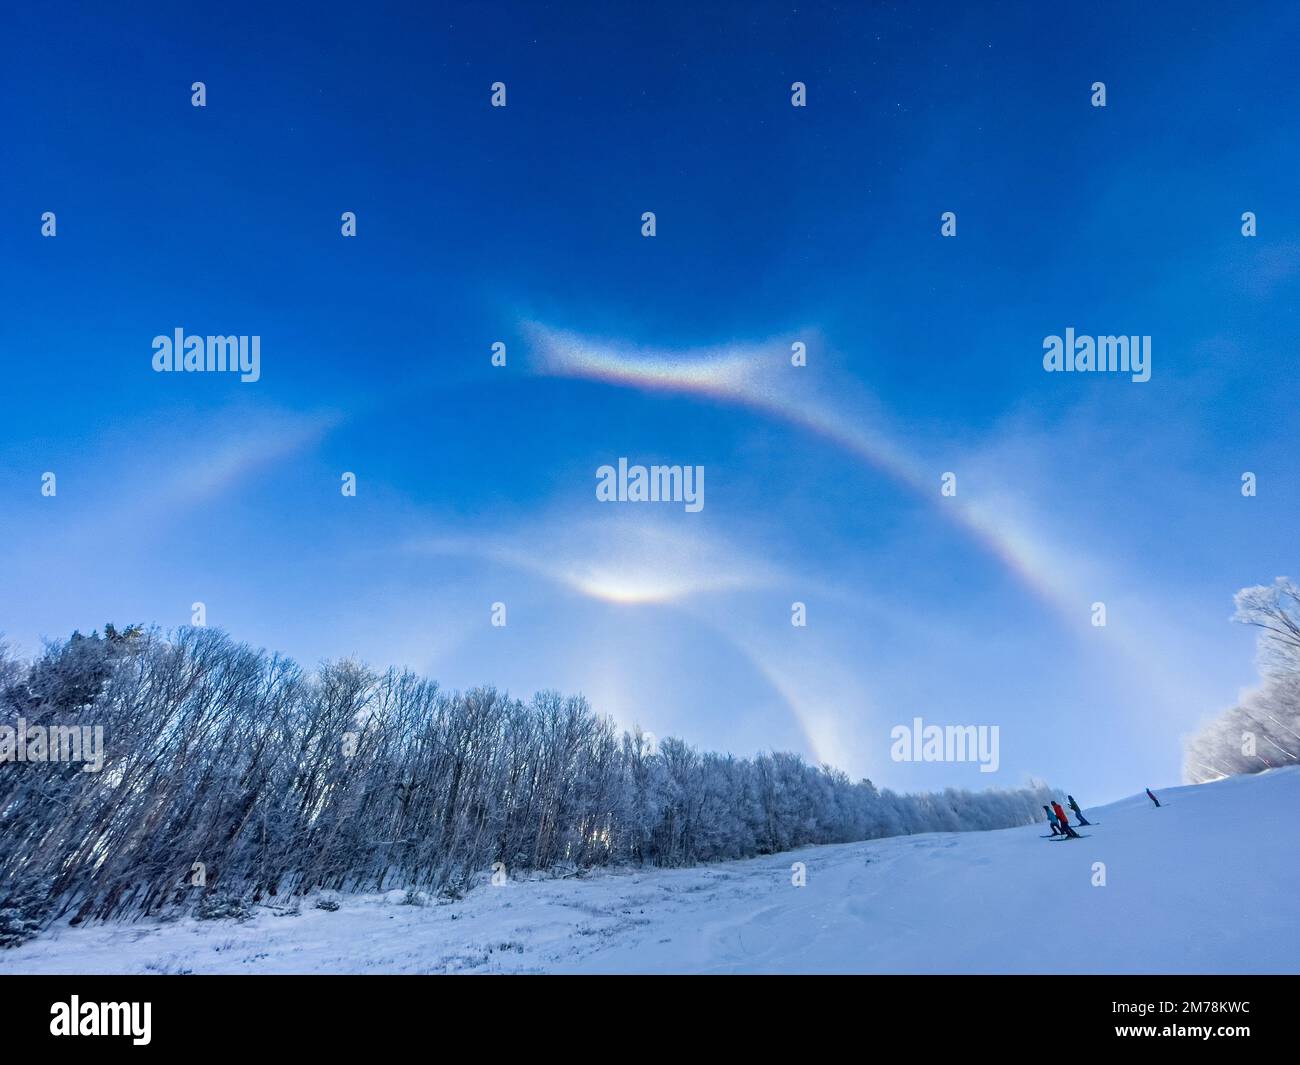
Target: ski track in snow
1205, 884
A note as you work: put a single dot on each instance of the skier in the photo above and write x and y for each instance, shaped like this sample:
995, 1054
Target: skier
1152, 797
1065, 821
1051, 821
1078, 814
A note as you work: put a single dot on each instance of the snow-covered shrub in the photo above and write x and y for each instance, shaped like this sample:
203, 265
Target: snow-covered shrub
16, 926
23, 912
222, 906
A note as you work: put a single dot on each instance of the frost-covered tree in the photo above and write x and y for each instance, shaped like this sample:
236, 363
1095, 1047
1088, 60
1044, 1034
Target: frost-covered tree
1263, 730
232, 776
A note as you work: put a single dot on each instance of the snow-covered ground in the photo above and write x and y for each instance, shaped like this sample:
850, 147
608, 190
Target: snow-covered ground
1206, 884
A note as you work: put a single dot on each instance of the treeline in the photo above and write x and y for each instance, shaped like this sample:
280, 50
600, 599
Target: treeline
230, 770
1263, 730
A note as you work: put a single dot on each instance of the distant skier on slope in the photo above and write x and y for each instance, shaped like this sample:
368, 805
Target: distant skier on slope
1065, 821
1152, 797
1078, 814
1051, 821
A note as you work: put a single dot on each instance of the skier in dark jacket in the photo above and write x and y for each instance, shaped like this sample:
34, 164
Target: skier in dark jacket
1152, 797
1078, 814
1065, 821
1051, 821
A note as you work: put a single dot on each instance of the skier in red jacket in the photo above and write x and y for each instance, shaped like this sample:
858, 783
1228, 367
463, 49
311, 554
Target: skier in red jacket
1065, 822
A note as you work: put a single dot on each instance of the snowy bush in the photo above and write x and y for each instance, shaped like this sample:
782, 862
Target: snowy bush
220, 906
23, 911
16, 926
453, 890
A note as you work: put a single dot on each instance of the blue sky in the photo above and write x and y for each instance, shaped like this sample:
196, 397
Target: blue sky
775, 224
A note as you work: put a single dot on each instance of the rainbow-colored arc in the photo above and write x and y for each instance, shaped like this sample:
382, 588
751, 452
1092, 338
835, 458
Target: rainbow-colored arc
744, 374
